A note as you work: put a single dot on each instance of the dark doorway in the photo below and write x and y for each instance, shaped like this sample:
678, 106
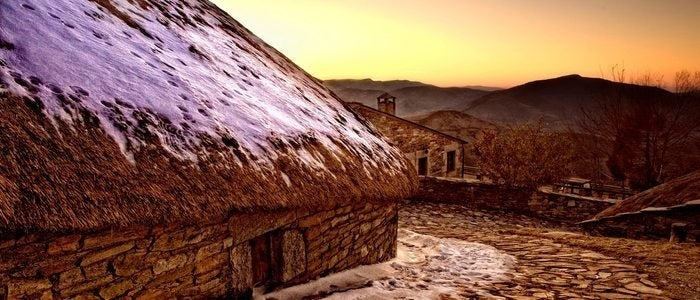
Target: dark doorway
451, 159
423, 166
260, 251
266, 256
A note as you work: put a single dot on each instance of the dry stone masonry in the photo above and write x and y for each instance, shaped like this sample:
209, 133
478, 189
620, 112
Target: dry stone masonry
206, 260
563, 208
417, 141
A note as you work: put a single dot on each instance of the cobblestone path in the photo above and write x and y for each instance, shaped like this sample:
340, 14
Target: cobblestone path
545, 269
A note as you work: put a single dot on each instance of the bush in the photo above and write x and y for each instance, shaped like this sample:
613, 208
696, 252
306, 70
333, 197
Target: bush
525, 155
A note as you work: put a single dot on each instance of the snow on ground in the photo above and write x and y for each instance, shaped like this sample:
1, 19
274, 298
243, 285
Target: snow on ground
426, 267
187, 69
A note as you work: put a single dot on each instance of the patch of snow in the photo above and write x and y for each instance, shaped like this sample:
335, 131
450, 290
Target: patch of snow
190, 79
550, 190
426, 267
650, 209
286, 179
468, 180
689, 203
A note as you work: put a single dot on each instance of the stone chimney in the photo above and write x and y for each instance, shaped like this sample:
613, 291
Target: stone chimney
387, 103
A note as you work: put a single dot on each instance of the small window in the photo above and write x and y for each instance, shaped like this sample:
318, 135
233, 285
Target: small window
451, 159
423, 166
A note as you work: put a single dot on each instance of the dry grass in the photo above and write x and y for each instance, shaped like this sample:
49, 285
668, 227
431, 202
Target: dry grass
76, 178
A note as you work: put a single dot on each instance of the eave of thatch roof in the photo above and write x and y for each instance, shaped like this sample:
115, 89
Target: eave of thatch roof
234, 131
675, 194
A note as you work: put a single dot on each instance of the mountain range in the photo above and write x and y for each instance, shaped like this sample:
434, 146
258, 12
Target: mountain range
413, 98
556, 101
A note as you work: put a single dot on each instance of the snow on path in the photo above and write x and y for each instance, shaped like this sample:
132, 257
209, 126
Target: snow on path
426, 267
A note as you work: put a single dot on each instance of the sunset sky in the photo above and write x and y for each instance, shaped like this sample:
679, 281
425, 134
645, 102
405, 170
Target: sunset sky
477, 42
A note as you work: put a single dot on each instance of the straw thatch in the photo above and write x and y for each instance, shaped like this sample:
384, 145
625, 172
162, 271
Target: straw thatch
674, 193
71, 173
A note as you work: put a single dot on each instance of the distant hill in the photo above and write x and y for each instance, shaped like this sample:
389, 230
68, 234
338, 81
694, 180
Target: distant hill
413, 97
454, 123
555, 100
483, 88
369, 84
558, 101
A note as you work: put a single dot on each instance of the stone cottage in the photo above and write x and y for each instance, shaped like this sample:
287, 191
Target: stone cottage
669, 210
432, 152
158, 150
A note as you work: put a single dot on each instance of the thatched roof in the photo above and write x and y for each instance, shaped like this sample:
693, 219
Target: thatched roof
118, 112
675, 193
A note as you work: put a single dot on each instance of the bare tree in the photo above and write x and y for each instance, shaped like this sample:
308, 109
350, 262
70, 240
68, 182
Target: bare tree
642, 130
525, 155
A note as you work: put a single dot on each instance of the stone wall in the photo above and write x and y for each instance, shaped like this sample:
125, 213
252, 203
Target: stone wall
569, 209
206, 260
417, 141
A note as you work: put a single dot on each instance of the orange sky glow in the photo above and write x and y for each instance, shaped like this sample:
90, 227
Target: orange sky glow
477, 42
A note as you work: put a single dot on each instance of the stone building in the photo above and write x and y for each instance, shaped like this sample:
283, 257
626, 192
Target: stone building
432, 153
669, 210
160, 150
387, 103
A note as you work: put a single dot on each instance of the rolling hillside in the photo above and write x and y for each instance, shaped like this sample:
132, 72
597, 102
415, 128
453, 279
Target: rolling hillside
556, 101
413, 98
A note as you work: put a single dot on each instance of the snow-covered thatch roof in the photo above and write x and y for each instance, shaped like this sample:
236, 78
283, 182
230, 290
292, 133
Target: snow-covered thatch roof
121, 112
675, 194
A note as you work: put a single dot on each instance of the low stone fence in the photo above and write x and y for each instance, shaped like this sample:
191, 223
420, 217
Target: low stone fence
568, 209
210, 260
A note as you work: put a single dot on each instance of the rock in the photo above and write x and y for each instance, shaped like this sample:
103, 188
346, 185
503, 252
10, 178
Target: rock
129, 264
208, 251
543, 295
626, 291
27, 289
101, 255
91, 285
516, 297
626, 280
594, 255
293, 254
164, 265
96, 270
616, 296
211, 263
561, 265
117, 289
621, 266
647, 282
241, 267
115, 237
64, 244
641, 288
70, 278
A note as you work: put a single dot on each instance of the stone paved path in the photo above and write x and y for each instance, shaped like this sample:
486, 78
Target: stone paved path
545, 269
